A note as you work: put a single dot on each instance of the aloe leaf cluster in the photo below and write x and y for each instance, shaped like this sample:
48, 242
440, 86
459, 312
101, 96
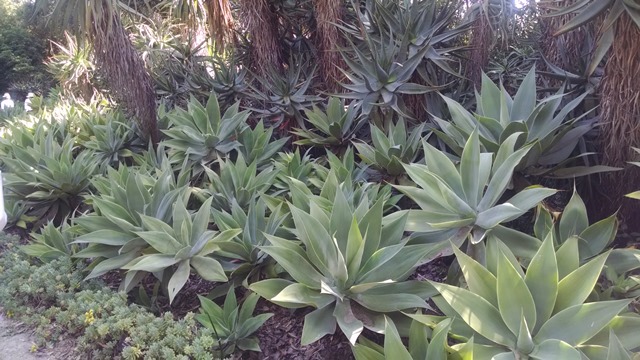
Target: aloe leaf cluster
544, 125
200, 134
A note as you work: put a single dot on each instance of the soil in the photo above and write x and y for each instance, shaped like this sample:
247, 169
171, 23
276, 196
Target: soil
280, 338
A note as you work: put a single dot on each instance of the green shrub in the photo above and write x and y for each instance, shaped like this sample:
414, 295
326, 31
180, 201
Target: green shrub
49, 176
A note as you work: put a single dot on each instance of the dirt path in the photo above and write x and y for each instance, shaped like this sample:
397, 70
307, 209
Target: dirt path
15, 344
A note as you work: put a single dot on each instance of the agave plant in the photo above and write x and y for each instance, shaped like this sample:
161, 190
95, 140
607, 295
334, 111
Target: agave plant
113, 142
335, 127
231, 324
184, 243
344, 168
256, 222
237, 182
293, 165
593, 239
111, 232
229, 82
48, 178
554, 138
199, 135
420, 348
390, 151
285, 96
381, 75
256, 145
540, 314
351, 268
465, 201
52, 243
422, 25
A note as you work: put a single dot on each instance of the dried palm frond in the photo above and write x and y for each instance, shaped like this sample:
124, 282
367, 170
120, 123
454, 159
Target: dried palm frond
124, 71
620, 94
261, 24
564, 50
220, 21
328, 14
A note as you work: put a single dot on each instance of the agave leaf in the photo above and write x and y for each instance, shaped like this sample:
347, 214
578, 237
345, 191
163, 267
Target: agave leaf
479, 280
576, 286
178, 279
152, 263
574, 218
438, 348
568, 257
208, 268
393, 346
470, 169
577, 324
542, 280
347, 321
296, 265
317, 324
552, 348
478, 313
514, 299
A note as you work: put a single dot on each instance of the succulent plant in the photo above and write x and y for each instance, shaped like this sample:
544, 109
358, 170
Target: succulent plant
199, 135
335, 127
392, 150
465, 201
351, 268
544, 125
540, 314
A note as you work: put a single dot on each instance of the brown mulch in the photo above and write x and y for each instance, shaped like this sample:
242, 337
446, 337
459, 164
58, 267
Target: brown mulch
435, 270
280, 338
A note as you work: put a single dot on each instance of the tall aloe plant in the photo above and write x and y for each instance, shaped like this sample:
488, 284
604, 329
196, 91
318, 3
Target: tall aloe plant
545, 125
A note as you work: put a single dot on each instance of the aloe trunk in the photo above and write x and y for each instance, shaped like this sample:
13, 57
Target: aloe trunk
328, 14
262, 27
620, 114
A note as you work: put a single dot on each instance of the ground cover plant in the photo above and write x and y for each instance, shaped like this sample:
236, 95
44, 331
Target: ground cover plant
319, 184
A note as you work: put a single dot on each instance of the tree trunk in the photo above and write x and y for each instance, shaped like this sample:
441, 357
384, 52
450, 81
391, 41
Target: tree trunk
329, 13
620, 118
125, 73
220, 21
262, 26
481, 43
565, 50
